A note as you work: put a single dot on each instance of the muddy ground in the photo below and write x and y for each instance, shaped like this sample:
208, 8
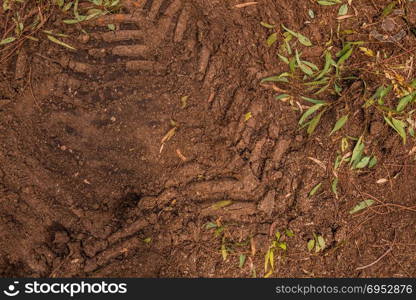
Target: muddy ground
112, 156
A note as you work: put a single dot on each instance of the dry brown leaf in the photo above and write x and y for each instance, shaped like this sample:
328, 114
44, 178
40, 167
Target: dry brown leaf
253, 247
242, 5
345, 17
181, 156
169, 135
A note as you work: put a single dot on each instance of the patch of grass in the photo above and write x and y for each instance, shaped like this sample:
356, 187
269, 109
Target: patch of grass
278, 244
316, 244
30, 20
388, 89
357, 74
229, 247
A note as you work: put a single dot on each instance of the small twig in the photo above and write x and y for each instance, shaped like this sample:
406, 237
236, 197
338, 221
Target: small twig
374, 262
390, 179
381, 257
353, 231
31, 88
410, 208
242, 5
400, 265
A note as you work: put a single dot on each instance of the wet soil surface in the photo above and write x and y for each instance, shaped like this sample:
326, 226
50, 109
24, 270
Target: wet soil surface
113, 157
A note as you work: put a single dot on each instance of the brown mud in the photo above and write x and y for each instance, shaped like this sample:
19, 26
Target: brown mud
90, 187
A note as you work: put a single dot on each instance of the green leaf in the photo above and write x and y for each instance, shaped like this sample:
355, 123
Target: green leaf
55, 33
405, 101
344, 57
283, 58
411, 131
75, 21
92, 13
362, 205
282, 97
114, 3
210, 225
7, 40
112, 27
55, 40
267, 25
277, 78
389, 9
305, 69
289, 233
343, 10
278, 235
302, 39
357, 152
219, 231
328, 2
224, 252
266, 260
315, 189
323, 89
311, 65
381, 92
321, 242
345, 49
271, 39
373, 162
297, 56
242, 261
309, 112
334, 186
338, 161
292, 64
282, 246
363, 162
337, 89
311, 14
305, 66
327, 66
288, 48
317, 82
221, 204
314, 101
67, 6
271, 258
344, 144
398, 126
339, 124
314, 123
76, 14
311, 244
